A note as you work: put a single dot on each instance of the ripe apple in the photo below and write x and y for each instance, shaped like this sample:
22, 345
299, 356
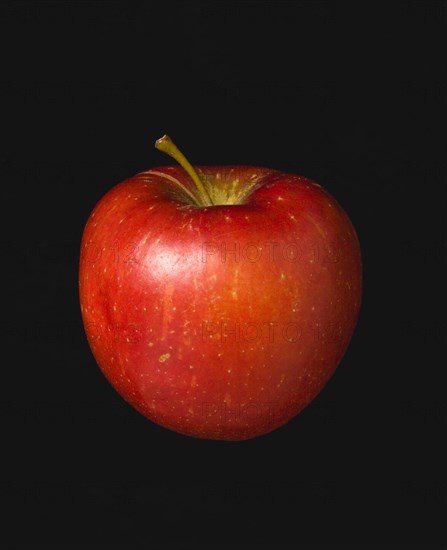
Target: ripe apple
219, 300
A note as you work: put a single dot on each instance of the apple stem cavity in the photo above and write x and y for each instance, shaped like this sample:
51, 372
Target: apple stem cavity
166, 145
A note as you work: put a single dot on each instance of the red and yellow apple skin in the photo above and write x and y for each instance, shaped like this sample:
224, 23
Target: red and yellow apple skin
221, 321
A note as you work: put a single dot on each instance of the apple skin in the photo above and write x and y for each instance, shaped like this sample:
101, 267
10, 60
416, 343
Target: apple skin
219, 322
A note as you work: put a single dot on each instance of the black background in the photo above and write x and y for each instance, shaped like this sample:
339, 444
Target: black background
348, 94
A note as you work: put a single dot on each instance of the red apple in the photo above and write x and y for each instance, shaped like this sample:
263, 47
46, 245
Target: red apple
218, 301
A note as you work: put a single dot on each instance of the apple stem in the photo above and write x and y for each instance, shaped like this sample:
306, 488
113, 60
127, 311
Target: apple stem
166, 145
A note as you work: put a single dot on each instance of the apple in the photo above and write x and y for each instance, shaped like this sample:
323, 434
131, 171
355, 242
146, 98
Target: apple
219, 300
